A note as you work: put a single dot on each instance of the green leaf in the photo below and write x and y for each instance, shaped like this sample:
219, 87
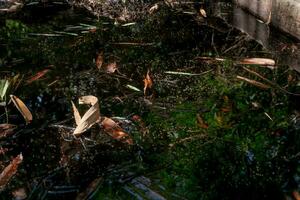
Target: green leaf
3, 87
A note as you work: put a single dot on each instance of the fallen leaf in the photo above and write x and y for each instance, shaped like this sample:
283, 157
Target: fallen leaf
202, 12
19, 194
133, 88
257, 61
153, 8
147, 82
200, 122
90, 117
37, 76
76, 114
115, 131
6, 130
111, 67
9, 171
99, 60
253, 82
22, 108
296, 195
3, 88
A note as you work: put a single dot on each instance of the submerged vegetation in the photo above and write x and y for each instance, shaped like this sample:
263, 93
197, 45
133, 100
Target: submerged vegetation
183, 113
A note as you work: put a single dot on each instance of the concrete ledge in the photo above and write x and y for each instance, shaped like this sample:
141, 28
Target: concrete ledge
283, 14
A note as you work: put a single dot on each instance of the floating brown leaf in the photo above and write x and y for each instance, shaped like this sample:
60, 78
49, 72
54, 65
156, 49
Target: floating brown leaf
99, 60
6, 130
115, 131
257, 61
90, 117
9, 171
37, 76
253, 82
147, 82
22, 108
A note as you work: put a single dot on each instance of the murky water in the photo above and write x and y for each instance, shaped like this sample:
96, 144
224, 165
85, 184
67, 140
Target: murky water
198, 125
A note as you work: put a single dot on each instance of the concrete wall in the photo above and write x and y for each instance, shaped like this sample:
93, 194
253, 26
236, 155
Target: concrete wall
283, 14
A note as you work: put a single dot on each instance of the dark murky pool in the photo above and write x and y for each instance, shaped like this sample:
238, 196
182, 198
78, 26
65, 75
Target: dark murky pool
209, 127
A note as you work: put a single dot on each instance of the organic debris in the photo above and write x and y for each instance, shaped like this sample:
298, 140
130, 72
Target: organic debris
37, 76
22, 108
115, 131
10, 171
147, 82
89, 118
6, 130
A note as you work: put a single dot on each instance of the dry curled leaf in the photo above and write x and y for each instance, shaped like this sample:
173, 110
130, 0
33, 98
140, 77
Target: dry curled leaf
89, 118
115, 131
22, 108
9, 171
296, 195
147, 82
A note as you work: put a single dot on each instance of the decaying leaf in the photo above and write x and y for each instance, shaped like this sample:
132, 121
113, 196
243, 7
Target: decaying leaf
9, 171
6, 130
3, 88
99, 60
37, 76
111, 67
202, 12
90, 117
258, 61
19, 194
115, 131
253, 82
147, 82
22, 108
200, 122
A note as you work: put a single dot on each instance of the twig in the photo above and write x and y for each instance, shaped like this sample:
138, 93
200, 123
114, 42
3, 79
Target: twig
270, 82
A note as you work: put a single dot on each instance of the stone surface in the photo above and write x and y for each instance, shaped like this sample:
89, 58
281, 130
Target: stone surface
283, 14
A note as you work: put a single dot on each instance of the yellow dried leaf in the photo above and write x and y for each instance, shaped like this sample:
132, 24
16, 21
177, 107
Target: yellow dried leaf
22, 108
90, 117
9, 171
